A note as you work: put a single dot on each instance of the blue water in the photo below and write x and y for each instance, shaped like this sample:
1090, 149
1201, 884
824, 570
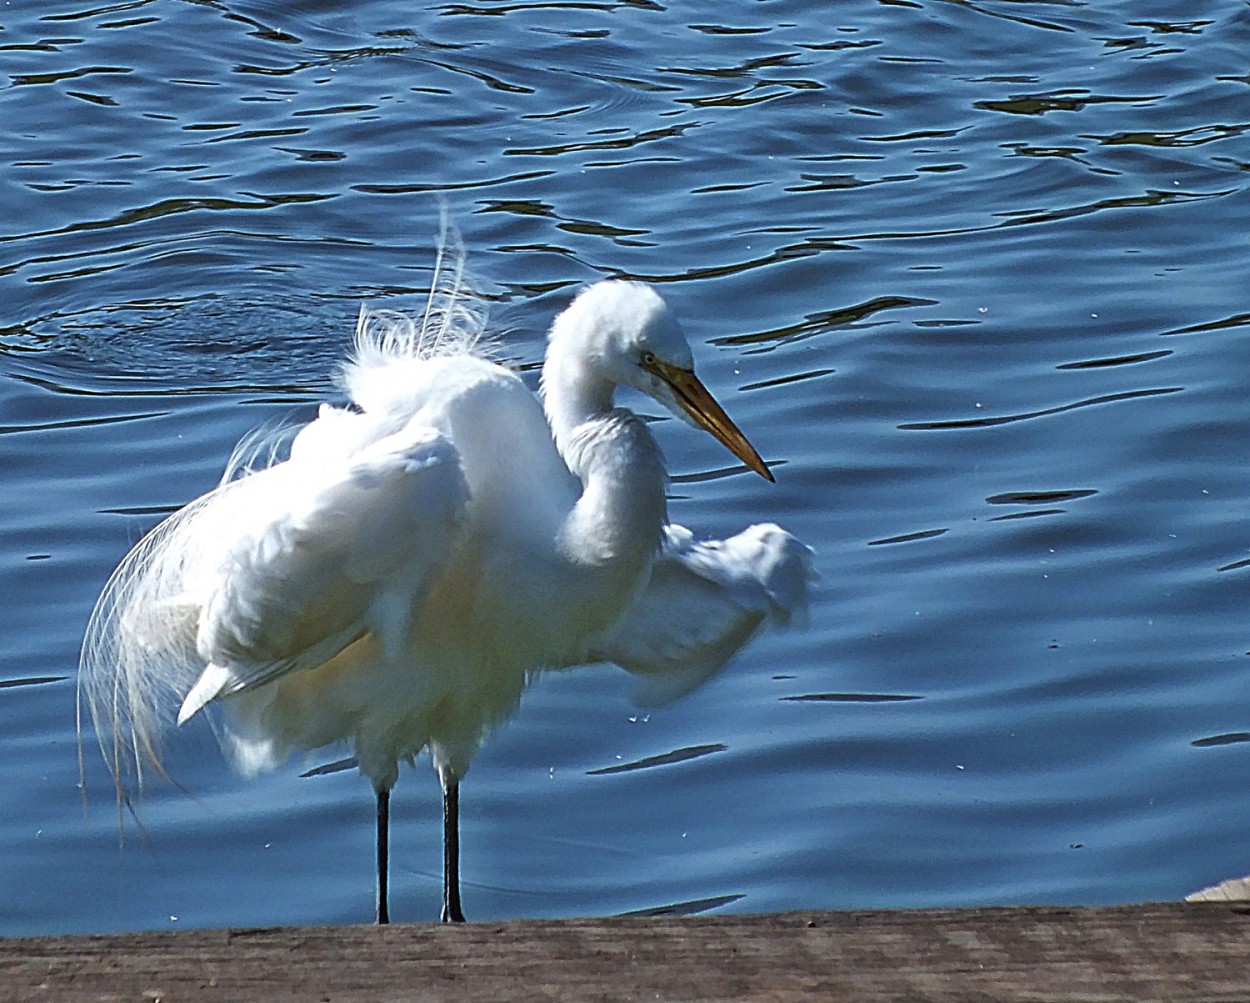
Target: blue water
972, 275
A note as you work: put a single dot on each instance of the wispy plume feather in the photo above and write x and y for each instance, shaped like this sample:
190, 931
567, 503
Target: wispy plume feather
452, 323
258, 450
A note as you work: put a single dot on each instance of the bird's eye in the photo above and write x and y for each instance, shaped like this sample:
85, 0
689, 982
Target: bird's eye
648, 359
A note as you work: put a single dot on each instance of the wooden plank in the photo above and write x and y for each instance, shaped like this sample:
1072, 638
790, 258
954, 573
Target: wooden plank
1176, 952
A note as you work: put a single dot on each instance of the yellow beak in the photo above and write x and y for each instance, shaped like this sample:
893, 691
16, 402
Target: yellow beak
698, 402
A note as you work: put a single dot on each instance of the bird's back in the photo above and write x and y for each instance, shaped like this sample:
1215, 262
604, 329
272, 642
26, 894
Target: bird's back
469, 632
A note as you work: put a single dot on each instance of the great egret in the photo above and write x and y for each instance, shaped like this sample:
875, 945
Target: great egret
393, 581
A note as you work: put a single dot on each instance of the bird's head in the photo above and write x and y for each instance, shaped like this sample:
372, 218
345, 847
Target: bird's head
629, 335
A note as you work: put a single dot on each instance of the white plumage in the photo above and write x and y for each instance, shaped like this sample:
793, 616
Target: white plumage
393, 582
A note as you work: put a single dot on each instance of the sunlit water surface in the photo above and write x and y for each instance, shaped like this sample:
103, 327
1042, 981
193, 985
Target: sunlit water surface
973, 276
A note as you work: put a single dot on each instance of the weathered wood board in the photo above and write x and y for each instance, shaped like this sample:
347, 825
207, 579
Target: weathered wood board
1175, 952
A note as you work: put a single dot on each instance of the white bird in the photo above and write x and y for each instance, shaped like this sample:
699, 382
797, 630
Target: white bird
392, 583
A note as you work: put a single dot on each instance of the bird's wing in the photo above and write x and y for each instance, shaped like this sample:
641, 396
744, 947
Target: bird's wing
337, 547
704, 601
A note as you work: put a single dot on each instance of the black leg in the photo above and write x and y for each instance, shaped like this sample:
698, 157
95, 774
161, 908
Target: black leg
384, 828
451, 852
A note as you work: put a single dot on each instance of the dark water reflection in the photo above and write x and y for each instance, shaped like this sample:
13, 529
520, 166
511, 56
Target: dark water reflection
978, 272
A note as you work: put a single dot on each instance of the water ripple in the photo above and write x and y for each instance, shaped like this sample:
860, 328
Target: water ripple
31, 681
663, 759
691, 907
990, 421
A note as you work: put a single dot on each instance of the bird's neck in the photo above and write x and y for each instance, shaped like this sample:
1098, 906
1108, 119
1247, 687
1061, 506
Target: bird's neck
613, 529
619, 517
572, 396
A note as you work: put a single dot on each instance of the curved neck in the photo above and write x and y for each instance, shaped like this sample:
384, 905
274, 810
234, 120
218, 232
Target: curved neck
572, 395
621, 512
618, 520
